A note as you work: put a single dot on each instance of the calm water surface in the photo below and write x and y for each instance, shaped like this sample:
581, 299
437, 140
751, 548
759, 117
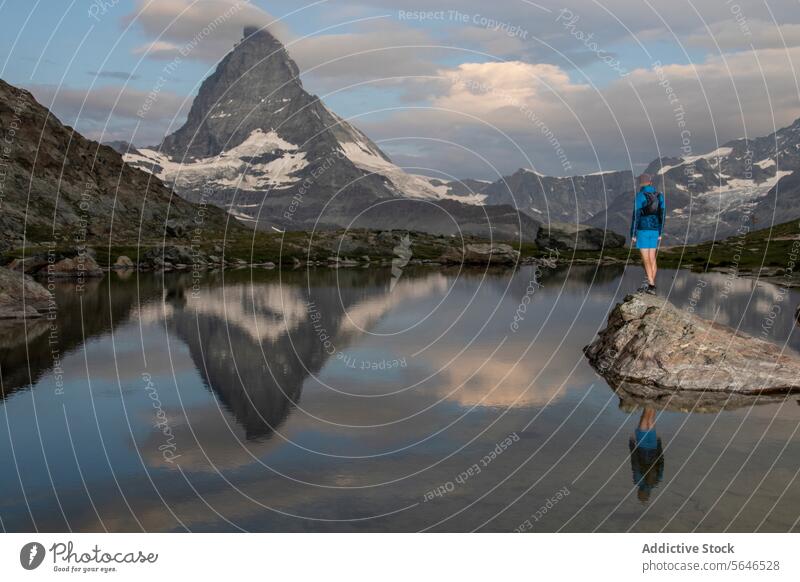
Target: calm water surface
351, 401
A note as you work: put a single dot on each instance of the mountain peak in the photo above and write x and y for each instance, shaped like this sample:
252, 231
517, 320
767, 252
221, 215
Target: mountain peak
255, 87
258, 144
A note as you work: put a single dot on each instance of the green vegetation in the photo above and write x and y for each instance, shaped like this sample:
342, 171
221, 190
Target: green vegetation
770, 248
768, 252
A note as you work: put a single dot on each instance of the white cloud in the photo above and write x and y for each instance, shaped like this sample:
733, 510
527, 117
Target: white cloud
203, 31
732, 35
521, 100
372, 51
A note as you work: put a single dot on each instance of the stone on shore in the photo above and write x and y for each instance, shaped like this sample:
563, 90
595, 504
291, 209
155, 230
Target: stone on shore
173, 254
481, 254
74, 267
578, 237
651, 344
123, 262
20, 295
65, 263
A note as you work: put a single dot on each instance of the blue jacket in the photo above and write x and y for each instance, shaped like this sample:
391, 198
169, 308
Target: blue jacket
641, 221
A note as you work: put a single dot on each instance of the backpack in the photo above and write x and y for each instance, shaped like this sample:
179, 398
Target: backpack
652, 205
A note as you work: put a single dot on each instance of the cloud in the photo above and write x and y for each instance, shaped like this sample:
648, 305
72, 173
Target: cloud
378, 53
203, 31
102, 103
112, 112
119, 75
516, 113
494, 42
606, 18
735, 35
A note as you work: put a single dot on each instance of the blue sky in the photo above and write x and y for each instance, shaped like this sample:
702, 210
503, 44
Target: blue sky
730, 64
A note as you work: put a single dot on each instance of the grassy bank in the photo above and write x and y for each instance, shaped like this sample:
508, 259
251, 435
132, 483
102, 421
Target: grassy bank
767, 252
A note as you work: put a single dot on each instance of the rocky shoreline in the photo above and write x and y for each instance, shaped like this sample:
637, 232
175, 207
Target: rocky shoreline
23, 295
331, 249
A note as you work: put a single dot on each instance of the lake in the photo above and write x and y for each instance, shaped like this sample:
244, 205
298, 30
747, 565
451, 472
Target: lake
361, 400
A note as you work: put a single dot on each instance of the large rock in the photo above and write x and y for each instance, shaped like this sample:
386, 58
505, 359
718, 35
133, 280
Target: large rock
650, 343
63, 263
579, 237
481, 254
29, 265
124, 262
634, 397
20, 295
170, 254
75, 267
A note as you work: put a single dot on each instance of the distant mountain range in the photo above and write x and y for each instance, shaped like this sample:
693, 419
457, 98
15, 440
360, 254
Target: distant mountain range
256, 143
743, 185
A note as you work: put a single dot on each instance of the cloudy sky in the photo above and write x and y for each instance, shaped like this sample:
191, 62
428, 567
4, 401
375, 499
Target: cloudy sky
464, 88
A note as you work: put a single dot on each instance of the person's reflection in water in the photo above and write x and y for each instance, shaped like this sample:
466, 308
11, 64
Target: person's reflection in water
647, 458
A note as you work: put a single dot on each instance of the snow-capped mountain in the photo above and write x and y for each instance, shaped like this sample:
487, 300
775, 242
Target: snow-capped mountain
743, 185
561, 199
258, 144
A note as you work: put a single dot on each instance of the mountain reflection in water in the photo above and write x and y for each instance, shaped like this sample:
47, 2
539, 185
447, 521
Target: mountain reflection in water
337, 399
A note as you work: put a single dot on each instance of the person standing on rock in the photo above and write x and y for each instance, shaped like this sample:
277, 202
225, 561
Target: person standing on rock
647, 224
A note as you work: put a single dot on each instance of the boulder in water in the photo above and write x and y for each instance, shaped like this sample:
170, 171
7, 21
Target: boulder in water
74, 267
650, 343
123, 262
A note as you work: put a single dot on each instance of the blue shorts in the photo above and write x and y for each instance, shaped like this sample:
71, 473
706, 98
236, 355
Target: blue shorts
646, 439
646, 239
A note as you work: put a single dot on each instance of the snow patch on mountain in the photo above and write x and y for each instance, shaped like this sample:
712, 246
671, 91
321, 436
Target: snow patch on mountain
237, 167
404, 183
444, 191
534, 172
764, 164
259, 142
713, 156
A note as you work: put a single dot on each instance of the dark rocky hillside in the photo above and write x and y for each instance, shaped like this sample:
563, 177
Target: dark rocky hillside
56, 185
